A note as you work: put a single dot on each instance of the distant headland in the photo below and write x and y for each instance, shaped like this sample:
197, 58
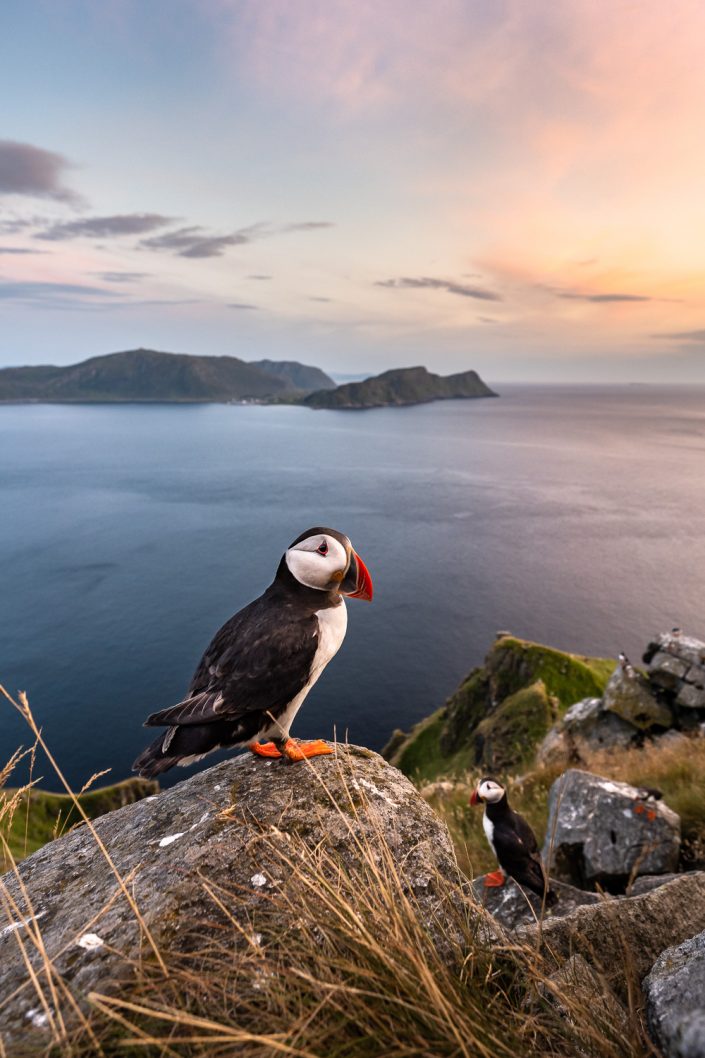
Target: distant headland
148, 376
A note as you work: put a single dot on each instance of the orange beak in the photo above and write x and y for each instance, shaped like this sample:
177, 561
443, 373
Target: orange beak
474, 798
358, 582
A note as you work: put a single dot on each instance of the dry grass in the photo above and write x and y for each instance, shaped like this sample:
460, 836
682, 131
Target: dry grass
338, 964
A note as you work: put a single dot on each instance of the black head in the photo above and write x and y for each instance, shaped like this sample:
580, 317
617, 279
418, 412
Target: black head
488, 791
324, 559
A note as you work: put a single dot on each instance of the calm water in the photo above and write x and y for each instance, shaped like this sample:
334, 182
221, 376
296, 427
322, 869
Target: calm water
129, 534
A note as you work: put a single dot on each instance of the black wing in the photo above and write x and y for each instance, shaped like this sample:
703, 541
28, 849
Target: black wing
259, 660
518, 854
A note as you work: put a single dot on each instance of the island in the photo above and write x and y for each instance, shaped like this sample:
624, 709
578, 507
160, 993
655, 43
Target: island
146, 375
402, 386
149, 376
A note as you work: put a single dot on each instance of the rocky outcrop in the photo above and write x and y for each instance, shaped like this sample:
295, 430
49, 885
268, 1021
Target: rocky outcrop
620, 719
227, 834
675, 999
624, 937
676, 669
605, 833
501, 711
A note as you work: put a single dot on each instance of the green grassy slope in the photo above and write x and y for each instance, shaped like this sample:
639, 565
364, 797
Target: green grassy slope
501, 711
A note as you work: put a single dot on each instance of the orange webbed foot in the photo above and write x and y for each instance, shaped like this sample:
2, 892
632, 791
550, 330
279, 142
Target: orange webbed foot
296, 750
264, 749
494, 879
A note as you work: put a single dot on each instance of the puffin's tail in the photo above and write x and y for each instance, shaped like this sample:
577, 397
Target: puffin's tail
154, 760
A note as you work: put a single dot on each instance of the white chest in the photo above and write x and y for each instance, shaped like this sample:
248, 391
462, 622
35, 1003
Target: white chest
332, 626
488, 827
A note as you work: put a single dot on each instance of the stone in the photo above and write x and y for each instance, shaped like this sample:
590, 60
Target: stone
229, 830
585, 729
675, 999
555, 749
622, 938
667, 670
647, 882
691, 697
627, 694
602, 832
688, 648
512, 906
696, 675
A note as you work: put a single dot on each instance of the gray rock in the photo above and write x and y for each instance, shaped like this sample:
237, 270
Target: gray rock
602, 832
586, 728
675, 999
512, 906
555, 749
666, 670
622, 938
696, 675
688, 648
647, 882
627, 695
691, 697
228, 828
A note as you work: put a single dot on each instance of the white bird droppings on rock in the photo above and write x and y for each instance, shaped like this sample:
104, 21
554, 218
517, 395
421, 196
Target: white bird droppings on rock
218, 787
258, 880
90, 941
357, 783
20, 925
203, 818
169, 838
37, 1017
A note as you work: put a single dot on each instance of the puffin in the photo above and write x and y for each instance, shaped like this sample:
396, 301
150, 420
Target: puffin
512, 840
260, 666
625, 664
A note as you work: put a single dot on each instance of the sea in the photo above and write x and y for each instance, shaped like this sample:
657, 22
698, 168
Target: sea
573, 516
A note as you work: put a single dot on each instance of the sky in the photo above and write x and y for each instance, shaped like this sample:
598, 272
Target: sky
515, 186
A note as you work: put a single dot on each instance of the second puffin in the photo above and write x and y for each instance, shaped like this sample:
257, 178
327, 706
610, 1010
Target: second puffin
512, 840
257, 671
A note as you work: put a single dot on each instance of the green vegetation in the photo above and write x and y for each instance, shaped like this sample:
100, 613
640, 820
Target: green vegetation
36, 816
409, 385
500, 713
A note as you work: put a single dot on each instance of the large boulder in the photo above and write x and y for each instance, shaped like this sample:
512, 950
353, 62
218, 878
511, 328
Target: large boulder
622, 938
675, 999
586, 728
628, 696
602, 832
226, 834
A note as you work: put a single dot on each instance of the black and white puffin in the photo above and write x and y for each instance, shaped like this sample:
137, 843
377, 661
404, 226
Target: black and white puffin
256, 673
512, 840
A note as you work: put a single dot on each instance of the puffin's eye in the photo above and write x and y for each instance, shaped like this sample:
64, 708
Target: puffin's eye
322, 549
